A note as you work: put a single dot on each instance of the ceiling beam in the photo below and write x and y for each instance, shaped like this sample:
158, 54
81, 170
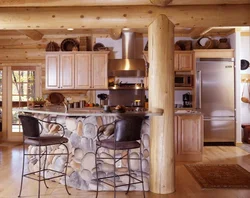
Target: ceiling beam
197, 32
120, 17
55, 3
33, 34
208, 2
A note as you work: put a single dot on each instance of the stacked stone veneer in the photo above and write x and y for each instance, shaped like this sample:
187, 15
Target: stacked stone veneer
81, 172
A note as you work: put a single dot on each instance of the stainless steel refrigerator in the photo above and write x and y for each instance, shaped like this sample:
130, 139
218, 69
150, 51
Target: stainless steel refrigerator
215, 98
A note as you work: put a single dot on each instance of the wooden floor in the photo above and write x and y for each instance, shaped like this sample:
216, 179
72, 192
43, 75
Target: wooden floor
186, 186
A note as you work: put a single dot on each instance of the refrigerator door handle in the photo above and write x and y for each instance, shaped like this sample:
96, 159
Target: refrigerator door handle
198, 90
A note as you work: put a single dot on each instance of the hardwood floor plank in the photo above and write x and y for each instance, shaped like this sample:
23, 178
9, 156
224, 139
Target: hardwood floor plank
186, 186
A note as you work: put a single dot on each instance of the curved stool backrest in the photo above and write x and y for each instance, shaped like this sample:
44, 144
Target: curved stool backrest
30, 126
128, 129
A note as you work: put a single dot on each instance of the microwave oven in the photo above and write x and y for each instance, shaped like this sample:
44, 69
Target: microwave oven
183, 80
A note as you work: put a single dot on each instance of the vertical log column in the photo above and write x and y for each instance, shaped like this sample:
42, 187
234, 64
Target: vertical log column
161, 96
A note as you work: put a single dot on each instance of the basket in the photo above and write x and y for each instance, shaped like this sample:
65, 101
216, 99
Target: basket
52, 47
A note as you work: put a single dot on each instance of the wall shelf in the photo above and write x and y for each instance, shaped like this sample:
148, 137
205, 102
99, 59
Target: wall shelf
183, 88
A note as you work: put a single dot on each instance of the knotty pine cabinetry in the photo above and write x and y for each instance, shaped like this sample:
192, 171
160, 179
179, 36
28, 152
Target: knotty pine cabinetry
76, 70
184, 65
188, 137
183, 60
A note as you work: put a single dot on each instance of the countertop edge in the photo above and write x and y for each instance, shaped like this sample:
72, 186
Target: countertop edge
61, 112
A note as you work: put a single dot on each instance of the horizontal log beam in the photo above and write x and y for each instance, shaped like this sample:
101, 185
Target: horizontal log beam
53, 3
120, 17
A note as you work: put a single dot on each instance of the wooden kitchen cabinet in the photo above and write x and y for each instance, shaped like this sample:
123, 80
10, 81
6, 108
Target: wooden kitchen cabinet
188, 137
82, 71
77, 70
59, 71
183, 60
99, 71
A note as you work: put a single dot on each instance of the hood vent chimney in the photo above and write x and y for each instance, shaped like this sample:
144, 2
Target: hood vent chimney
128, 66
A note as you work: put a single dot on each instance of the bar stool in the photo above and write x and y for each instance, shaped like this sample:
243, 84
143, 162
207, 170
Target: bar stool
32, 129
127, 136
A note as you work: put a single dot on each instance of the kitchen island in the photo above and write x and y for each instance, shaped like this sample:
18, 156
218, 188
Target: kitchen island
81, 129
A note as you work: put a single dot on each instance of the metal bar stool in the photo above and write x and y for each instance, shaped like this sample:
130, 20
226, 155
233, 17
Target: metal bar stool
127, 136
32, 129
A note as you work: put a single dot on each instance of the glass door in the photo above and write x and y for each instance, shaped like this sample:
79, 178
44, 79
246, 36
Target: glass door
17, 85
23, 87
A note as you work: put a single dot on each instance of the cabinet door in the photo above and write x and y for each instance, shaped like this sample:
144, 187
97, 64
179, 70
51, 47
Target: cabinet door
189, 137
99, 71
185, 61
176, 61
52, 71
67, 71
82, 71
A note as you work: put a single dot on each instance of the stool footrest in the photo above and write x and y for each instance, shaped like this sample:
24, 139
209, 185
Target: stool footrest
27, 175
138, 180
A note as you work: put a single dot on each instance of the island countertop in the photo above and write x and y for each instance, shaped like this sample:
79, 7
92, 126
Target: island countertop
60, 110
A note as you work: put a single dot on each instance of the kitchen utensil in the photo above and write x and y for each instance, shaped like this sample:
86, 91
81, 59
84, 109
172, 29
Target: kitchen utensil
244, 99
106, 108
244, 64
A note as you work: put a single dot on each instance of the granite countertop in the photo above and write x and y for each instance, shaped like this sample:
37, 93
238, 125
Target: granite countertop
59, 110
187, 112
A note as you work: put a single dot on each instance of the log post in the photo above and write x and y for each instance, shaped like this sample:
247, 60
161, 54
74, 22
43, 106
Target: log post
161, 96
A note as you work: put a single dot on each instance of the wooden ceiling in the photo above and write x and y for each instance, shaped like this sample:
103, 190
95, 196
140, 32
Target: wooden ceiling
49, 3
29, 17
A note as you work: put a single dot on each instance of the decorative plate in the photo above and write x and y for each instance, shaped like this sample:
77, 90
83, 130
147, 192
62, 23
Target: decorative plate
68, 44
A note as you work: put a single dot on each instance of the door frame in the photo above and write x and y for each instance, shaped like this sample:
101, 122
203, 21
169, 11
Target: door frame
7, 134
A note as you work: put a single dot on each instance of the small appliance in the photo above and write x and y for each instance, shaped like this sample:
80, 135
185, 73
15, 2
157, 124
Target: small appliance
187, 100
102, 98
182, 80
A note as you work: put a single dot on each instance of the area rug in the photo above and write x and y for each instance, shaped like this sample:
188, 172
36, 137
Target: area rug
220, 175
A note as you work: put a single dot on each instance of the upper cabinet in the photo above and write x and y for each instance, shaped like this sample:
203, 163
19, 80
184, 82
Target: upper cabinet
76, 70
99, 71
183, 60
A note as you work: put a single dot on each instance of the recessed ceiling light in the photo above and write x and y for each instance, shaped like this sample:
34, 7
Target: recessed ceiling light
70, 29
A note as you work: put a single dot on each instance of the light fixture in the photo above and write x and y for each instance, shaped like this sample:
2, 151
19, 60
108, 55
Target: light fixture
70, 29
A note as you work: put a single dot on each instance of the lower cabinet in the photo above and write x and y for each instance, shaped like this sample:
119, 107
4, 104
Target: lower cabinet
188, 137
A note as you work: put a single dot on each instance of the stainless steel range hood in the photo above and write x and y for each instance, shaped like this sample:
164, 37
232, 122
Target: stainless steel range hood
128, 66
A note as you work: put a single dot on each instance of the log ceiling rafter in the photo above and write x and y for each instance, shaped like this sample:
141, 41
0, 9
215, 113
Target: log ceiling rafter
53, 3
198, 32
120, 17
33, 34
